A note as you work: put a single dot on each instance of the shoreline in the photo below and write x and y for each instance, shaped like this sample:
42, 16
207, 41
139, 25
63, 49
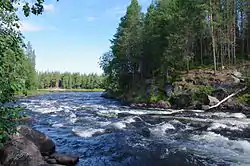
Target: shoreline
231, 105
71, 90
38, 92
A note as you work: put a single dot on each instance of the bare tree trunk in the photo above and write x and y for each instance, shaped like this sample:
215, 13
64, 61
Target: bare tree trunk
213, 36
201, 50
234, 32
242, 32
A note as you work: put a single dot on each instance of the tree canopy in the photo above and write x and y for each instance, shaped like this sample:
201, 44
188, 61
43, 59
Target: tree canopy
172, 36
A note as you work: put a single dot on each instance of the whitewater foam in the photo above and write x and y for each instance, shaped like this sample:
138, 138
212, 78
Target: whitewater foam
160, 129
216, 126
220, 146
57, 125
87, 133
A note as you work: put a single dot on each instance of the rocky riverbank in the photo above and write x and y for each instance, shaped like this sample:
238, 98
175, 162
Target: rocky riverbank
29, 147
198, 89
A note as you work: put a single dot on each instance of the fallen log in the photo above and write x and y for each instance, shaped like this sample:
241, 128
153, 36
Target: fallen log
225, 99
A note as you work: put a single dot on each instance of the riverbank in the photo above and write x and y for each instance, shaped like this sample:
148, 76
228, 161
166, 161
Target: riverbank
31, 147
71, 90
197, 89
104, 132
54, 90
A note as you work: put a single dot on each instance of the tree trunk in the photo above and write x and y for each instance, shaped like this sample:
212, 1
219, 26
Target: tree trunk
234, 32
201, 50
213, 37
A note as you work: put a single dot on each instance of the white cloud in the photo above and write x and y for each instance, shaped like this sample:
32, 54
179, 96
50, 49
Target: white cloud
27, 27
91, 18
49, 7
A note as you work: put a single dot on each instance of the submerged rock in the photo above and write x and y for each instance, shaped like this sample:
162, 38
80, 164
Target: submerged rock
20, 151
44, 143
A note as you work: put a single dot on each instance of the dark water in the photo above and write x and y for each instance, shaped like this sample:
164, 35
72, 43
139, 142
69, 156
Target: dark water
104, 132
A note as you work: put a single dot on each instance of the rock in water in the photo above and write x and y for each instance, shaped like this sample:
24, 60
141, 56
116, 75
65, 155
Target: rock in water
65, 159
20, 151
163, 104
44, 144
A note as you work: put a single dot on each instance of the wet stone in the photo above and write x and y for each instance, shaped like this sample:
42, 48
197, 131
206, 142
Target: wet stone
65, 159
51, 161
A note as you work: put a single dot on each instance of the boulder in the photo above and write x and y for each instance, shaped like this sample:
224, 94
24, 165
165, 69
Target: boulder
169, 89
210, 100
233, 105
65, 159
138, 105
44, 143
163, 104
220, 94
51, 161
20, 151
237, 76
182, 101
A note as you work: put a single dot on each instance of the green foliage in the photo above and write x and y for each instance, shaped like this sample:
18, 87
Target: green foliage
244, 98
70, 80
201, 91
154, 98
173, 36
8, 115
36, 7
15, 69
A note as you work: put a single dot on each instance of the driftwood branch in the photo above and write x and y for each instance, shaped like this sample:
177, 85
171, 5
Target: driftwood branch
228, 97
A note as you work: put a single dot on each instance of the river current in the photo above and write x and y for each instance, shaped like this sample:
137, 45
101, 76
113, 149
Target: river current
104, 132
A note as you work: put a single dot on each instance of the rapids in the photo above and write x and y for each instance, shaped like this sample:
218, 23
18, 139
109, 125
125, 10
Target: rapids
107, 132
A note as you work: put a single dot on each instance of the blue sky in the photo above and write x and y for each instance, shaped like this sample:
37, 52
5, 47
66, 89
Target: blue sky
71, 35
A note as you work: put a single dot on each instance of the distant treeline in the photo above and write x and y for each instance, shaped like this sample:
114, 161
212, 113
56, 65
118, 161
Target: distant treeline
69, 80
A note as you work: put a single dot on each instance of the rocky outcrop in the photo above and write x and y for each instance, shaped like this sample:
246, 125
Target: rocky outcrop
234, 105
30, 147
20, 151
44, 143
160, 104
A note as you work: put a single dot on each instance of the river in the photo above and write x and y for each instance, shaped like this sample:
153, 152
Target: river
105, 132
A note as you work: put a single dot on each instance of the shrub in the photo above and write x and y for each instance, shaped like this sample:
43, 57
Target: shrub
201, 91
244, 98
